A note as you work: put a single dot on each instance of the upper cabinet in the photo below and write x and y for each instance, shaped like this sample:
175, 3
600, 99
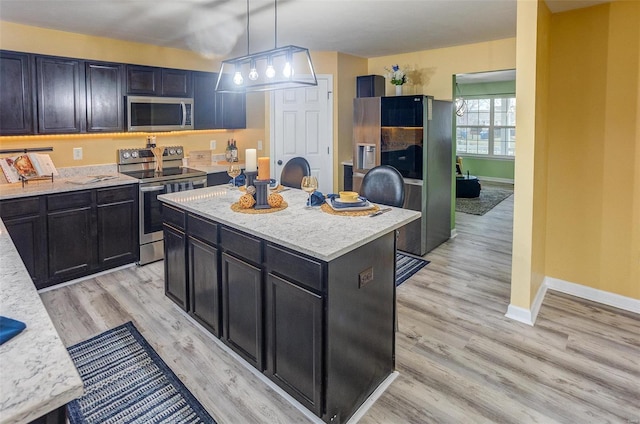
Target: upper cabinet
152, 81
144, 80
58, 95
15, 94
59, 103
105, 107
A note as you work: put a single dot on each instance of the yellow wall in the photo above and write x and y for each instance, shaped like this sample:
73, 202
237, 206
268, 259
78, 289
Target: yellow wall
101, 149
430, 71
593, 231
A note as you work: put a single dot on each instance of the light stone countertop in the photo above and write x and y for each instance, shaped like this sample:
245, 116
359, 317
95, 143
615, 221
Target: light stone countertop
210, 169
310, 231
36, 373
65, 182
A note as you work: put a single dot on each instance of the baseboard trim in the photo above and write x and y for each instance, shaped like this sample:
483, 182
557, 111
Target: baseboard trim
528, 316
495, 179
595, 295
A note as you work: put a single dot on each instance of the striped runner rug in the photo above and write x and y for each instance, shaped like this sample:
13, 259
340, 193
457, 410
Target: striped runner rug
125, 381
406, 266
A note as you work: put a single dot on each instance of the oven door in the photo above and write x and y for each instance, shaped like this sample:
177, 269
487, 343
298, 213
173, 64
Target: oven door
151, 207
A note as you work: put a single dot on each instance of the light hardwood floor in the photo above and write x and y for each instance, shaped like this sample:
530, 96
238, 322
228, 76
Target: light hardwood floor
460, 359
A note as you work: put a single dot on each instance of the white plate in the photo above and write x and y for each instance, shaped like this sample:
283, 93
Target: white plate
365, 207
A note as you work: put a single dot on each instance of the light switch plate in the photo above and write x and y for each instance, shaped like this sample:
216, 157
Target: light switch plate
259, 144
77, 153
212, 144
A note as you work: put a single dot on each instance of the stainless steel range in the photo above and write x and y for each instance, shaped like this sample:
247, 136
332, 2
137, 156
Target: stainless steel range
140, 163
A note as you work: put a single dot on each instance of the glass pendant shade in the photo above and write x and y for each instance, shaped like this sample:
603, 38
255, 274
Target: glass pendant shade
267, 70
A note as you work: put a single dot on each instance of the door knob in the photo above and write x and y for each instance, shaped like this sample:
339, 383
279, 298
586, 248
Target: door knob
279, 162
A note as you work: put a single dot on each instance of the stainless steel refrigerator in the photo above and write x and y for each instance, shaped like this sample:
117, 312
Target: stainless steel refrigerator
412, 134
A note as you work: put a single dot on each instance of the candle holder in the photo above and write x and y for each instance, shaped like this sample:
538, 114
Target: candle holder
261, 194
250, 178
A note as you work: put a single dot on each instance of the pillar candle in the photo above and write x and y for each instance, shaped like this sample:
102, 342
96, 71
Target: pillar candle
263, 168
250, 160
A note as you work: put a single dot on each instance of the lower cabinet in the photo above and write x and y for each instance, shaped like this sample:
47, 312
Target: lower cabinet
73, 234
175, 276
242, 309
294, 340
204, 284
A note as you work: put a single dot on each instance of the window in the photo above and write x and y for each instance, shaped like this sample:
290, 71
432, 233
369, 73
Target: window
488, 127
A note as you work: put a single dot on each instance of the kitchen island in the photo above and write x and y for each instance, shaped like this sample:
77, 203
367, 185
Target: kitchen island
304, 296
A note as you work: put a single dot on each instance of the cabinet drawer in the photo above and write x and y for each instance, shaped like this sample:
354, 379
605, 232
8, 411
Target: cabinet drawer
115, 194
173, 216
243, 245
202, 229
302, 270
19, 207
73, 200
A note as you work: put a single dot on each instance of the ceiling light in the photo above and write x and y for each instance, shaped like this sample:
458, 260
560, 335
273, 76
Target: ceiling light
268, 70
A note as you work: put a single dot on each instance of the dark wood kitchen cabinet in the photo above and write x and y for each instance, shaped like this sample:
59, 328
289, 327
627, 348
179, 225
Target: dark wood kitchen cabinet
204, 273
105, 105
175, 256
143, 80
242, 295
71, 235
25, 223
59, 93
216, 110
294, 311
176, 83
117, 221
16, 106
154, 81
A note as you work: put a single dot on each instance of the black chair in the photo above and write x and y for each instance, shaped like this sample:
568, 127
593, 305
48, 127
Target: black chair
293, 171
383, 184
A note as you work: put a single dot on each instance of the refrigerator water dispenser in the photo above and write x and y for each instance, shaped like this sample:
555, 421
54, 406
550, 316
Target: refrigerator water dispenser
366, 156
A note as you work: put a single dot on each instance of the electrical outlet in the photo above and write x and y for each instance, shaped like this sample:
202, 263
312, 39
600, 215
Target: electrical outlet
77, 153
212, 144
259, 144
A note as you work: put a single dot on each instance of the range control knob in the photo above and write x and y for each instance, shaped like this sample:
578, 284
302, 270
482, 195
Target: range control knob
134, 154
179, 151
172, 151
126, 155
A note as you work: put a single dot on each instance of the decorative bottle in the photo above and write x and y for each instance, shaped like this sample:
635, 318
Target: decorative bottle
234, 151
227, 152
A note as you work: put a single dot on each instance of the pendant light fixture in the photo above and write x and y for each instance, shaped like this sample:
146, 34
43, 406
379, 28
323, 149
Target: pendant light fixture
461, 103
280, 67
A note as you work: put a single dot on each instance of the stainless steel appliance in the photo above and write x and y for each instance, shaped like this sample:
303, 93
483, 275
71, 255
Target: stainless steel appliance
412, 134
140, 163
148, 113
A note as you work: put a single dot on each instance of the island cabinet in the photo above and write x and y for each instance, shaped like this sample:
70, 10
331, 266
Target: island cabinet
322, 329
73, 234
242, 295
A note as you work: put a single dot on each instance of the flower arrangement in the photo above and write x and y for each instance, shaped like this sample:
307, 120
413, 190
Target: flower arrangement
397, 75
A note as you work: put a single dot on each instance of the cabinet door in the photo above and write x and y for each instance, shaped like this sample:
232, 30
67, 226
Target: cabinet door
60, 95
15, 94
71, 243
144, 80
294, 341
204, 284
231, 110
175, 269
176, 82
242, 309
26, 226
117, 226
204, 103
105, 103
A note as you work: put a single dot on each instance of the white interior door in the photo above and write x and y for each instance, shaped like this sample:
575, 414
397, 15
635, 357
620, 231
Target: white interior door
302, 125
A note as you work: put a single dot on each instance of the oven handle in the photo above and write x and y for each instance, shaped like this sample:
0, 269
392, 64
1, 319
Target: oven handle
151, 188
184, 114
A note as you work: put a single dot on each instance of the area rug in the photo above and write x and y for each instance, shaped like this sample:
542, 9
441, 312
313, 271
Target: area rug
489, 198
125, 381
406, 266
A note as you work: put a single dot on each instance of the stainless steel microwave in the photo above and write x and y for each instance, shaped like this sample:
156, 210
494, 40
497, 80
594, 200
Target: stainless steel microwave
146, 113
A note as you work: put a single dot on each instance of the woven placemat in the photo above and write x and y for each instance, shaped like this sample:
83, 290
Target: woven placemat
328, 209
236, 208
